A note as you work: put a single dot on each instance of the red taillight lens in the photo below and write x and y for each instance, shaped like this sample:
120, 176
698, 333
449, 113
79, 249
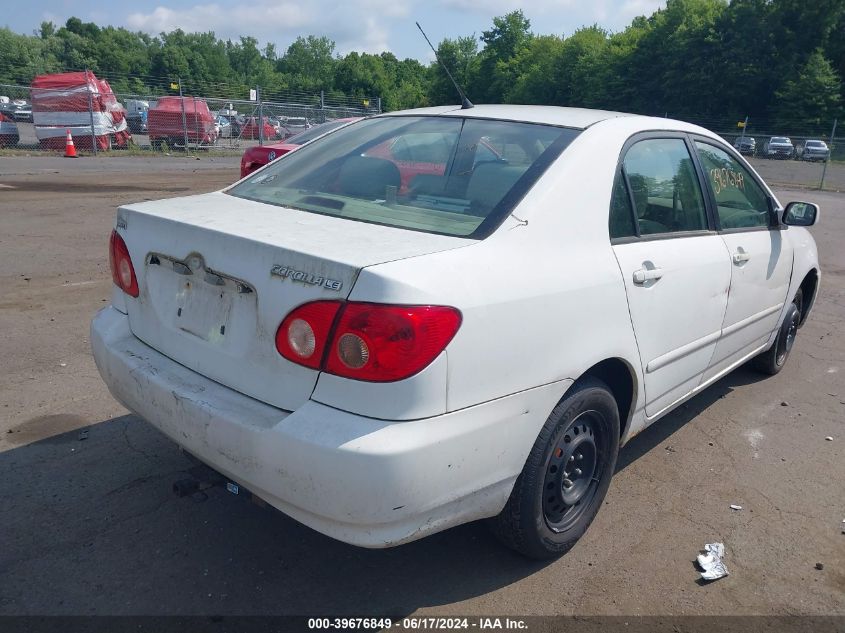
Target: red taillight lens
122, 271
368, 341
303, 335
383, 343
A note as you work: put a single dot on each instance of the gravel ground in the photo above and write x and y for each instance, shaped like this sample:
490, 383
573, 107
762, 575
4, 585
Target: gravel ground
90, 526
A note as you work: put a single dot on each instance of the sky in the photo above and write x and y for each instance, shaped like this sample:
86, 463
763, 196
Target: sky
369, 26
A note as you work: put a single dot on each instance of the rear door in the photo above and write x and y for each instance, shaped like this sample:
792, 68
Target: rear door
761, 259
675, 266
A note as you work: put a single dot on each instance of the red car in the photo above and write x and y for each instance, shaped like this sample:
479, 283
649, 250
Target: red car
249, 129
168, 120
256, 157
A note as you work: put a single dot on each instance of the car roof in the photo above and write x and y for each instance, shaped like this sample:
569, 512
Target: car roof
578, 118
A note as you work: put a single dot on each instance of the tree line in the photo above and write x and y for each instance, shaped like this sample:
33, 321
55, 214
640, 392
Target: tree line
712, 61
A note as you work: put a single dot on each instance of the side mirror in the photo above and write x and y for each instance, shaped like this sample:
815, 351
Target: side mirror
801, 214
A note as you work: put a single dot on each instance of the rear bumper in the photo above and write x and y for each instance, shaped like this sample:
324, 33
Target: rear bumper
364, 481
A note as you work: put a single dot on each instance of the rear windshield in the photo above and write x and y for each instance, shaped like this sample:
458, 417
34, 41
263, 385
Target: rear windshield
815, 144
780, 139
447, 175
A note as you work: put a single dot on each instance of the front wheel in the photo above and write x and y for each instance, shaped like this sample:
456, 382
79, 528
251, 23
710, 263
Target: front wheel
566, 475
773, 360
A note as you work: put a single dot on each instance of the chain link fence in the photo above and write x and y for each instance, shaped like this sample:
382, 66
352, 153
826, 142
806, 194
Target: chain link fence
39, 119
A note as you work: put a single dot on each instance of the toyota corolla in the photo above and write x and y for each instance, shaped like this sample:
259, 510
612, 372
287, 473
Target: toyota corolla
382, 359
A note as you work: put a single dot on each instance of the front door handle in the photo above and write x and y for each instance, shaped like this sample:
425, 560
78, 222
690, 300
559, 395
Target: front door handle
645, 274
740, 257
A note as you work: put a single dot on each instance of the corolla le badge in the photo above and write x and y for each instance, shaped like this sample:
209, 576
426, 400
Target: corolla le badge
302, 277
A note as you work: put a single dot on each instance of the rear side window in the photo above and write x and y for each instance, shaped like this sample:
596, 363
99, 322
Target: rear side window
666, 192
740, 201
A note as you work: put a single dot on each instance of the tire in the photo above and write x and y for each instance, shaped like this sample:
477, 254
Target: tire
545, 516
774, 359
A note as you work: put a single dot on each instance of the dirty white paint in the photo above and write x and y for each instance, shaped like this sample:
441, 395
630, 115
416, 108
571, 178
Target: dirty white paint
378, 464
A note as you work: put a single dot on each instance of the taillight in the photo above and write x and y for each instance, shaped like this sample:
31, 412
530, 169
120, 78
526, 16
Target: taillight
303, 335
122, 271
366, 341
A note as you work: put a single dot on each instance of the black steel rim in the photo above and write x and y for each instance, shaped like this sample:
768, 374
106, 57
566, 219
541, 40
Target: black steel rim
573, 471
785, 345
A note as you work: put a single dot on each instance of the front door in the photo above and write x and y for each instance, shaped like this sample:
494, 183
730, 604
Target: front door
761, 259
675, 266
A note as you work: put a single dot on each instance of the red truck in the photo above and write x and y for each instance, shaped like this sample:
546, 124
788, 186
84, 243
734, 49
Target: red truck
166, 123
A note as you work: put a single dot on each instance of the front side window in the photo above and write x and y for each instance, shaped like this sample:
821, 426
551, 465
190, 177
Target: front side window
664, 186
740, 201
449, 175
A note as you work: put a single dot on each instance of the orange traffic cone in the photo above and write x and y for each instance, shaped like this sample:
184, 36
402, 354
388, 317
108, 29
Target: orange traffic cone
70, 150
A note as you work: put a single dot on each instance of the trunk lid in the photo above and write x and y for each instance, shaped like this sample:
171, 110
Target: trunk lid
217, 274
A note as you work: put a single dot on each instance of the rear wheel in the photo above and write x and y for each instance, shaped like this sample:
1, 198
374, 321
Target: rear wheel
566, 476
773, 360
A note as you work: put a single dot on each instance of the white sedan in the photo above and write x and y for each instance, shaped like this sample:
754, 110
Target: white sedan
436, 316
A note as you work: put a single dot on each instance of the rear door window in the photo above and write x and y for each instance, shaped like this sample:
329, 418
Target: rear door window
665, 188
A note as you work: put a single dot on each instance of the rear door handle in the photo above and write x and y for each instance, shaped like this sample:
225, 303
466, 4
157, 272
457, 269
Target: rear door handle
644, 274
740, 257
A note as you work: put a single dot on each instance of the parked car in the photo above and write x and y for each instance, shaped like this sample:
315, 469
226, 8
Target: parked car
746, 145
224, 127
172, 119
9, 136
383, 365
7, 108
813, 150
234, 121
136, 115
256, 157
779, 147
17, 110
249, 129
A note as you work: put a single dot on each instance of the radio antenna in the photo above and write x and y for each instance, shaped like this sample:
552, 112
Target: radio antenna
466, 104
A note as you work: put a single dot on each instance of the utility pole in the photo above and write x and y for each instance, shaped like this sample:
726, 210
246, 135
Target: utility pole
184, 120
89, 89
744, 127
829, 152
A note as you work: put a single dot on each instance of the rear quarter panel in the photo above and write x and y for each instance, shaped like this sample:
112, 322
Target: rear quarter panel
542, 298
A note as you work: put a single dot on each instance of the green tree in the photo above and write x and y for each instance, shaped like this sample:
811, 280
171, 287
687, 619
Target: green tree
460, 56
309, 63
503, 44
812, 98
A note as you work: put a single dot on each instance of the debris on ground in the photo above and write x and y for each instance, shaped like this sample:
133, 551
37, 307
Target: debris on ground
843, 526
711, 562
62, 364
829, 438
735, 507
83, 435
784, 404
820, 566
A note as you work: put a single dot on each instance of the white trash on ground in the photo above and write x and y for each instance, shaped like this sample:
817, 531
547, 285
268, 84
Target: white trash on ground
711, 561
